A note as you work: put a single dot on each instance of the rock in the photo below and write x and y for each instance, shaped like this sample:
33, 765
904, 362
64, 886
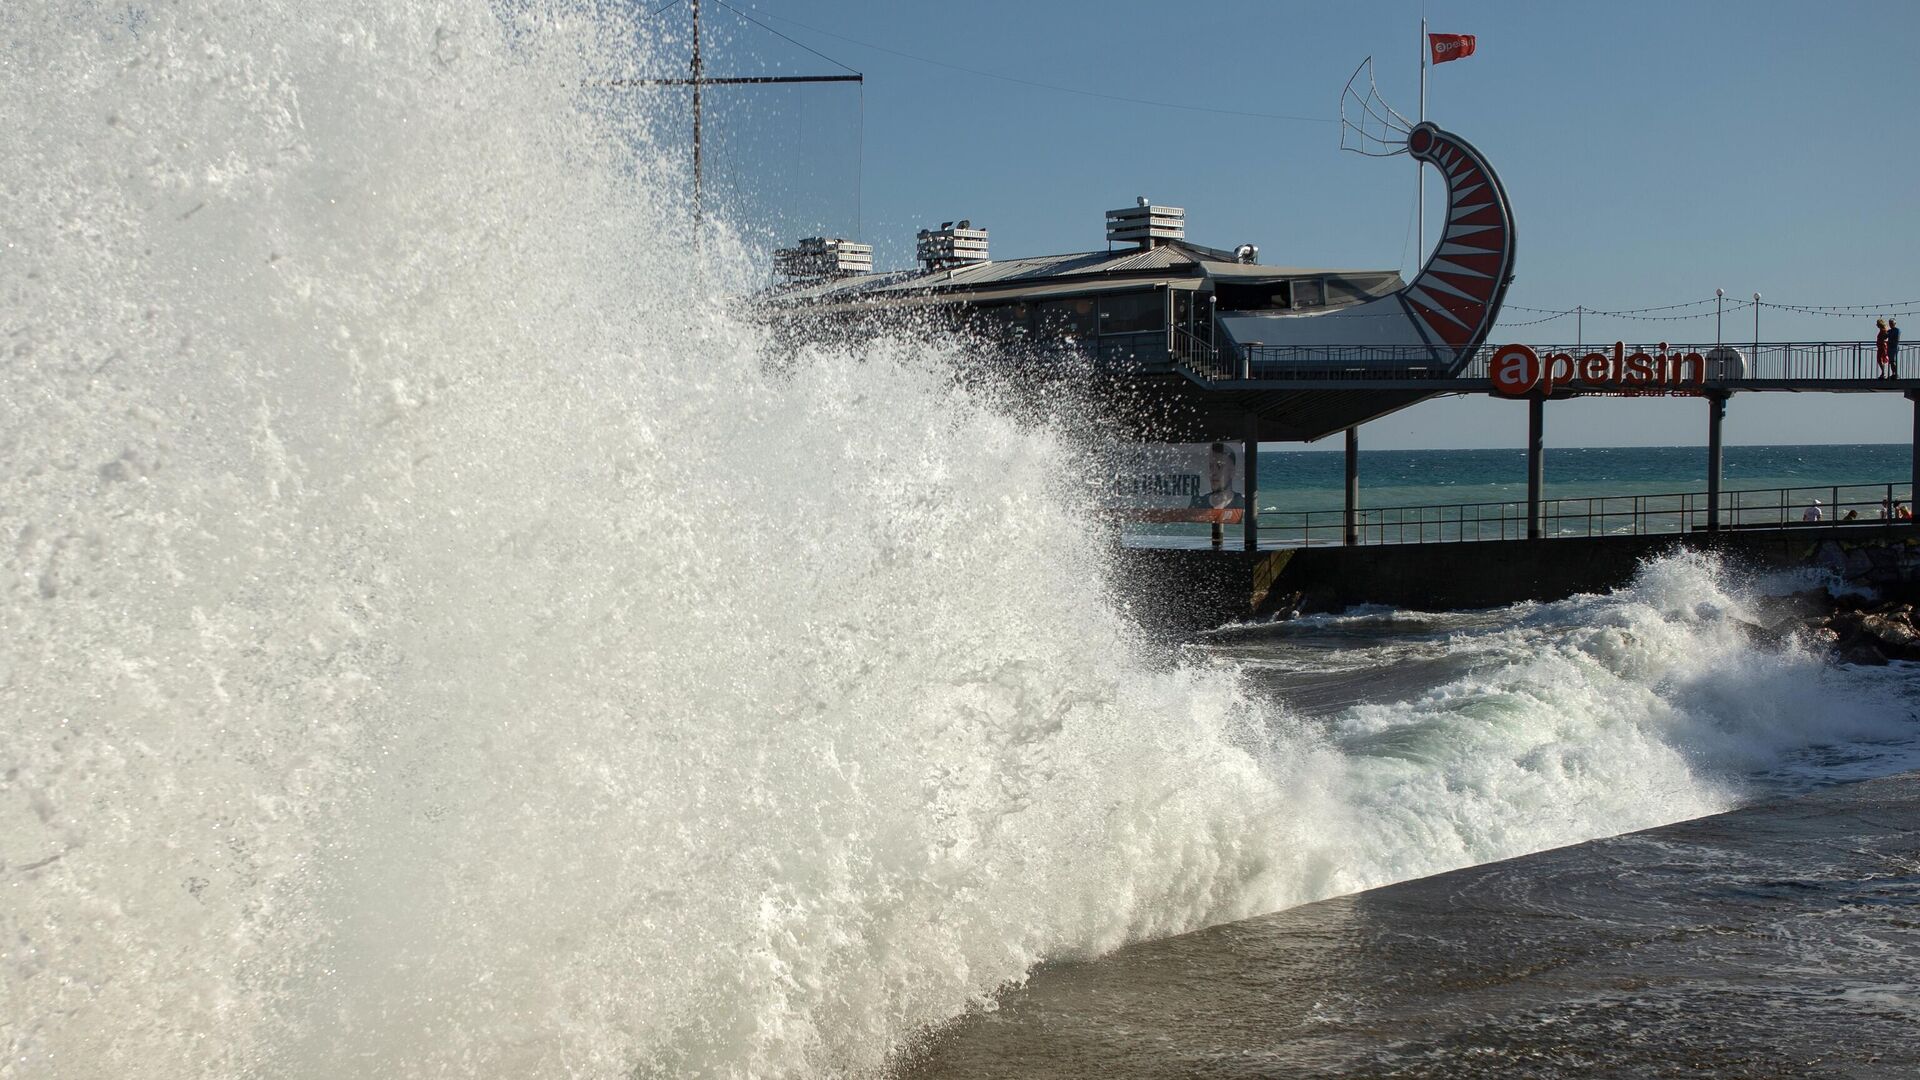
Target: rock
1768, 636
1894, 634
1885, 632
1859, 652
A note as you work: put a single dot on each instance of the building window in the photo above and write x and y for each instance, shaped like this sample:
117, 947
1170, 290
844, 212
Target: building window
1133, 313
1065, 318
1255, 296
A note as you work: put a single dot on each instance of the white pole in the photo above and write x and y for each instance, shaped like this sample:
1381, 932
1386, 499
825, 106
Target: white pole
1420, 215
1719, 308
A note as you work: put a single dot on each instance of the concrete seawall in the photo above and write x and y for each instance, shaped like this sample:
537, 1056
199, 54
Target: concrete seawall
1188, 590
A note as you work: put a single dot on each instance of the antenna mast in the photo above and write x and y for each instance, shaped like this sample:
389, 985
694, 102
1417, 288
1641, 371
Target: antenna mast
1420, 196
697, 79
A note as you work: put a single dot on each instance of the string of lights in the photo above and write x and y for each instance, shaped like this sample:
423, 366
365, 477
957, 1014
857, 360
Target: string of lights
1843, 308
1536, 322
1666, 318
1720, 306
1619, 311
1727, 306
1860, 312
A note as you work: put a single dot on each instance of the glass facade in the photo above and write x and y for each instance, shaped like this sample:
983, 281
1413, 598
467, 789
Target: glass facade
1075, 317
1255, 296
1133, 313
1082, 317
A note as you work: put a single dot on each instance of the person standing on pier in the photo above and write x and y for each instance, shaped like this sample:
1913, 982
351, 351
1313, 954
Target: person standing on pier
1893, 348
1812, 512
1880, 349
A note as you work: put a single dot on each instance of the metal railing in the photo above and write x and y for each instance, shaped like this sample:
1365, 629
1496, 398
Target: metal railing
1596, 515
1765, 361
1204, 359
1347, 362
1782, 362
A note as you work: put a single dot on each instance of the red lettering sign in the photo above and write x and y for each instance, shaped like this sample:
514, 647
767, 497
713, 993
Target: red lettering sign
1516, 371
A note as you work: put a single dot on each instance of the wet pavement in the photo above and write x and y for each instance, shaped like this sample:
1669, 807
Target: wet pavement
1782, 939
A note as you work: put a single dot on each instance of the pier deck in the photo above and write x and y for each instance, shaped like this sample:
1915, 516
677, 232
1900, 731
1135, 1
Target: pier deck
1305, 392
1186, 590
1635, 514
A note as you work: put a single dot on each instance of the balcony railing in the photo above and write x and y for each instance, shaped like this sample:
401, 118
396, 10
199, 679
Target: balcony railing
1597, 515
1767, 362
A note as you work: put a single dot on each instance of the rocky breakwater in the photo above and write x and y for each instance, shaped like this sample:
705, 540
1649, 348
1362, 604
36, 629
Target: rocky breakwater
1873, 634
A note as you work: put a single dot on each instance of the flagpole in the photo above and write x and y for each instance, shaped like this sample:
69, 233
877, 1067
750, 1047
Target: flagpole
1420, 214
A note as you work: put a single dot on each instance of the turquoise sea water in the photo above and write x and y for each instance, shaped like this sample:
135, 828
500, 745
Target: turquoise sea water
1767, 482
1313, 480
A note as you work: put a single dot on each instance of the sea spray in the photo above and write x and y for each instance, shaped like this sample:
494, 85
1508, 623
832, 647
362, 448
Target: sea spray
1548, 722
438, 643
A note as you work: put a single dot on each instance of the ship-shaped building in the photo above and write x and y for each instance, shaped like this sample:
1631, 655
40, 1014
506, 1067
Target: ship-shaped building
1209, 342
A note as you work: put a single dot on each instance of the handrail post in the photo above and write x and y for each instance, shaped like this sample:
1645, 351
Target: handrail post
1536, 470
1716, 416
1913, 478
1251, 519
1351, 535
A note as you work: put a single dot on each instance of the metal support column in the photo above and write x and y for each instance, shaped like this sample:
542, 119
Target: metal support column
1716, 415
1251, 520
1536, 465
1351, 535
1913, 492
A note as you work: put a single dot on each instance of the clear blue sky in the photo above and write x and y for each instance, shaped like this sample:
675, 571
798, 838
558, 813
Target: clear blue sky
1652, 150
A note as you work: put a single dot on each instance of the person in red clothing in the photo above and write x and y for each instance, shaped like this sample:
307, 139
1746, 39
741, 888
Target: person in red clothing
1880, 349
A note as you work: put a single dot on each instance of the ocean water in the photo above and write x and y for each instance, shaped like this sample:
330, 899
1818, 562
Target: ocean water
1315, 480
436, 641
1760, 484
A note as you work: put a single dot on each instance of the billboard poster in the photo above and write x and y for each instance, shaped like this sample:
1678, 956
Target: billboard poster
1178, 482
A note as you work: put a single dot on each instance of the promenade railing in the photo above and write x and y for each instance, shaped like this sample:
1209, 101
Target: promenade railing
1591, 515
1732, 362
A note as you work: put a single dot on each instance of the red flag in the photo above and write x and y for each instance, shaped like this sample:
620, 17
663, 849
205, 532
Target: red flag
1447, 47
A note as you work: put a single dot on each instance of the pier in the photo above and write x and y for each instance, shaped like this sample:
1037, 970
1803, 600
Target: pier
1184, 590
1485, 554
1194, 355
1294, 392
1640, 514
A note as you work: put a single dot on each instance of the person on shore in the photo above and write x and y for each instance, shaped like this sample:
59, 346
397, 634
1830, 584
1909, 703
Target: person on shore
1812, 513
1893, 348
1880, 349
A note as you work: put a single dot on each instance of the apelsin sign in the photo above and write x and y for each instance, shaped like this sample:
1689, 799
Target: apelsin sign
1516, 371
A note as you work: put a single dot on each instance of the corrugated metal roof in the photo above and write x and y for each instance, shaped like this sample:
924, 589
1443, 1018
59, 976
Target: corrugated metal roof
1164, 257
1172, 261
